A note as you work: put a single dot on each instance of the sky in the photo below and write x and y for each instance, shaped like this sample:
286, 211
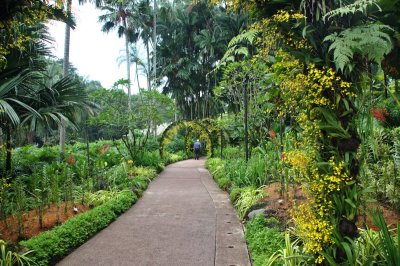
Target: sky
93, 52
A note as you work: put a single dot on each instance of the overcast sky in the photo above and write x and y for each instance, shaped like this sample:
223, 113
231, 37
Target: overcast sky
93, 52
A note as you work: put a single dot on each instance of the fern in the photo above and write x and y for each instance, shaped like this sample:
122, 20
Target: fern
238, 45
357, 6
370, 41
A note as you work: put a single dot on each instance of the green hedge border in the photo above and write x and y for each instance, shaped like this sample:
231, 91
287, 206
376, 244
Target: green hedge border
51, 246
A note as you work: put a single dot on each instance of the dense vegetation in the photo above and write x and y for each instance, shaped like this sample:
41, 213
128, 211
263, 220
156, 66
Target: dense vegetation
302, 93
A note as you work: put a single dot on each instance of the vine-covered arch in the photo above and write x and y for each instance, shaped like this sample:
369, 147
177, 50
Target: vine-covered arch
192, 127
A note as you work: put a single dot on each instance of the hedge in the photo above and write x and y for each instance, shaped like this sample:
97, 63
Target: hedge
49, 247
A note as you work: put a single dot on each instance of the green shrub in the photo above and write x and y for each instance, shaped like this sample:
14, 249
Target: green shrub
141, 182
169, 158
150, 159
216, 167
27, 159
117, 176
234, 194
51, 246
147, 172
249, 196
224, 183
100, 197
152, 144
263, 241
176, 145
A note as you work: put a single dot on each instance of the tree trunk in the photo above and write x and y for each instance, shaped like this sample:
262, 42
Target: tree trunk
8, 151
246, 133
148, 65
137, 77
67, 41
154, 43
128, 64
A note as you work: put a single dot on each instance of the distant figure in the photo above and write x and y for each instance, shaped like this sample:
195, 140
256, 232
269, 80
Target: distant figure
197, 147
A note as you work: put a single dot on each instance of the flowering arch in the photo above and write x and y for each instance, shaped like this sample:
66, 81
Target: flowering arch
192, 127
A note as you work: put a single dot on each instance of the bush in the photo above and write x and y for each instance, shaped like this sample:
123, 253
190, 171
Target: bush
169, 158
49, 247
152, 144
230, 153
216, 167
224, 183
150, 159
234, 194
263, 241
146, 172
176, 145
249, 196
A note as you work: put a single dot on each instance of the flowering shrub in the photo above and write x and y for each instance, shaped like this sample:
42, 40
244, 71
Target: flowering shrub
104, 149
70, 160
380, 114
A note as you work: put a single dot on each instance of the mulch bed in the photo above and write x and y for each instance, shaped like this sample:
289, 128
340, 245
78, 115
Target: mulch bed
9, 227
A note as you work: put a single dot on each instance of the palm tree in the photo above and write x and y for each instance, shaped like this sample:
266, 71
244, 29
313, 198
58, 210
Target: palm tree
193, 37
67, 41
116, 17
135, 59
25, 98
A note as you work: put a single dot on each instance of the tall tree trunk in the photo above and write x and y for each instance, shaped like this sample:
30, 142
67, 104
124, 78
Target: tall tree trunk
137, 76
148, 65
67, 42
154, 43
8, 151
245, 118
128, 63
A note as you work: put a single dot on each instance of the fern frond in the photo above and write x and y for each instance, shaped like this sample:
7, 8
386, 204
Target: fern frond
371, 41
357, 6
238, 45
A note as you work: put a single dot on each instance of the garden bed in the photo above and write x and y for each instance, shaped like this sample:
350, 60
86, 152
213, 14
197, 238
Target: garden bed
279, 206
53, 216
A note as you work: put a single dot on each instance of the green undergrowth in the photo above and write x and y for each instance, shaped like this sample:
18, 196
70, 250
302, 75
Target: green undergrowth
263, 238
245, 189
243, 195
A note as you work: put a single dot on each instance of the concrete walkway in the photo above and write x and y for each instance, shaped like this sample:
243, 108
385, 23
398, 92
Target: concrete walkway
182, 219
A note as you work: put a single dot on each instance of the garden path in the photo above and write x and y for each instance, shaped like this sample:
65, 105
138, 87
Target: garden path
182, 219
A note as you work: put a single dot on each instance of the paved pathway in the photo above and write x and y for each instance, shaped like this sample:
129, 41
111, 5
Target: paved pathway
182, 219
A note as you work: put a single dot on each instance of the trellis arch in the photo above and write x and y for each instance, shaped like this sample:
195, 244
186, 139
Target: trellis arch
192, 126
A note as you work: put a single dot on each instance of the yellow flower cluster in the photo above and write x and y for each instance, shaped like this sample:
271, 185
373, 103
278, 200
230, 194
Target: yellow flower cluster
299, 160
236, 4
285, 16
323, 185
313, 229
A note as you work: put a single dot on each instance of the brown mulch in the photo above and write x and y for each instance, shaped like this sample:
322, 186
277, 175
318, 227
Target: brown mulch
280, 205
9, 226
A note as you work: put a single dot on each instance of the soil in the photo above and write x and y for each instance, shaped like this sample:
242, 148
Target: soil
278, 205
9, 227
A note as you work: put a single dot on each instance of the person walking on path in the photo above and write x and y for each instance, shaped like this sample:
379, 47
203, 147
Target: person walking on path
197, 147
